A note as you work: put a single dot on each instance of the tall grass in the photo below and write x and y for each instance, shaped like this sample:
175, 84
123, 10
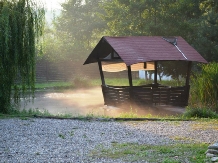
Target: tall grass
199, 113
204, 90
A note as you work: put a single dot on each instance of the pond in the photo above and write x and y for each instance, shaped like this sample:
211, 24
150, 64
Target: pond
89, 101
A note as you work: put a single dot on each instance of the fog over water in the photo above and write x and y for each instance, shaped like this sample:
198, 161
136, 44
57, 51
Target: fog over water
89, 101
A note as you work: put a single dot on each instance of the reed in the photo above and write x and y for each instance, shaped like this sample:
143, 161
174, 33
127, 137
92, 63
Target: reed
204, 92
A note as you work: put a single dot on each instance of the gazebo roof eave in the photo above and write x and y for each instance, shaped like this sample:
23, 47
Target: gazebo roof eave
120, 60
142, 48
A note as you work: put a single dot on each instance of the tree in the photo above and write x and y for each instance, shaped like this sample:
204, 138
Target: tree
175, 69
21, 24
152, 17
52, 46
206, 41
79, 26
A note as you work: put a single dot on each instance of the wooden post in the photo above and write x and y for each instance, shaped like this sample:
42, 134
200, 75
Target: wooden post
130, 75
155, 72
187, 86
188, 73
130, 84
101, 72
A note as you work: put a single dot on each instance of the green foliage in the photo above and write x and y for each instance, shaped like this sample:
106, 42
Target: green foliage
205, 88
77, 27
200, 113
162, 82
52, 47
21, 23
131, 114
176, 69
206, 41
81, 82
151, 17
24, 114
61, 136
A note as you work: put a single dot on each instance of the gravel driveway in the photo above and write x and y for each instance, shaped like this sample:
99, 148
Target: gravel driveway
49, 140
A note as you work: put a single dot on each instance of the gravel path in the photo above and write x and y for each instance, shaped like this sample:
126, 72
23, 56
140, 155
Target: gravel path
49, 140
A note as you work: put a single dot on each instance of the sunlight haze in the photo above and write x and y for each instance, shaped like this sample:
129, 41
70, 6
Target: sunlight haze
52, 4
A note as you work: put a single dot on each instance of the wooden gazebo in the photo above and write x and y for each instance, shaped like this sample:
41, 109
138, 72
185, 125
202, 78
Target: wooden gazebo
143, 53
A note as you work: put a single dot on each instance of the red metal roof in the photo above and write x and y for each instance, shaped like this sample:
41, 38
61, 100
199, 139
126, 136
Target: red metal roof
135, 49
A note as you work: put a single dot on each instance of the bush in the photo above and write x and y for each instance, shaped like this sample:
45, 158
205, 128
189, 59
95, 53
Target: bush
204, 89
82, 82
200, 113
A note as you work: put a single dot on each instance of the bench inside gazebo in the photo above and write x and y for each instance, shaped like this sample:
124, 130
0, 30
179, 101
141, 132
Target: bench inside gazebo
135, 53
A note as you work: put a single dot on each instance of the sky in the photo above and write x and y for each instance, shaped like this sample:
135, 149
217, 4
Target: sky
52, 4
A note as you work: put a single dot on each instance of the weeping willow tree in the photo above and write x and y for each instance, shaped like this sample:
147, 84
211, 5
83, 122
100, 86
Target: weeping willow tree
21, 25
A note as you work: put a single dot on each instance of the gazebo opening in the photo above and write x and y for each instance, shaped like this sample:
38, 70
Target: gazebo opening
113, 63
115, 54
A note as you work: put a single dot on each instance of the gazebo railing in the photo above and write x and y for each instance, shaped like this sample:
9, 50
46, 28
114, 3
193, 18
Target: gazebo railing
146, 95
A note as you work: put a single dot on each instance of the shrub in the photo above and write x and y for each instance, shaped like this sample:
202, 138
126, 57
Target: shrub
204, 90
81, 82
200, 113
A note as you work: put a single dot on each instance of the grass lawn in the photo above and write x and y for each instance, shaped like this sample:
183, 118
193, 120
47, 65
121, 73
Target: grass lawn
48, 85
136, 82
131, 152
97, 82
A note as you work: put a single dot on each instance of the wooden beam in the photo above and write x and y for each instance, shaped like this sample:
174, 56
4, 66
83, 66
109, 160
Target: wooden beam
155, 72
188, 73
101, 72
112, 60
129, 75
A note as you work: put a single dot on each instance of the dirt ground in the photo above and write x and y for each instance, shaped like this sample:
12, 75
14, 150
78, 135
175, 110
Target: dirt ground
88, 101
